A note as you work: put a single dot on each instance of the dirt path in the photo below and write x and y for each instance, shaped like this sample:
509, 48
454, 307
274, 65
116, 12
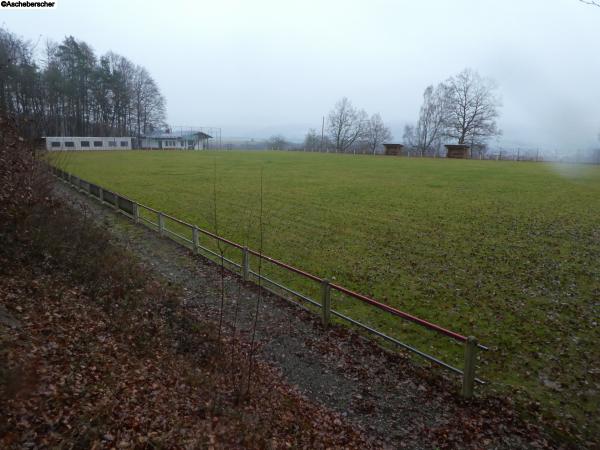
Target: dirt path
387, 394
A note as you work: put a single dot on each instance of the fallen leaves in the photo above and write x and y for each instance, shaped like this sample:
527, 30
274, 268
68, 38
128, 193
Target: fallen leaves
91, 388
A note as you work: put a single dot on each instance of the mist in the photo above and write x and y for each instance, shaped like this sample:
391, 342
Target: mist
271, 67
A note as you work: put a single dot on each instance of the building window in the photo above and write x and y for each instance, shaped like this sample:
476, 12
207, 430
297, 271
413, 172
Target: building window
69, 144
97, 143
112, 143
124, 144
85, 143
55, 144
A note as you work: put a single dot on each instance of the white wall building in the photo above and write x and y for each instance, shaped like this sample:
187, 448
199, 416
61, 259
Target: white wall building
179, 140
87, 143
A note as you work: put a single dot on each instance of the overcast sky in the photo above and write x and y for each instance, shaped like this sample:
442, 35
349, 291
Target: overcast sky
260, 67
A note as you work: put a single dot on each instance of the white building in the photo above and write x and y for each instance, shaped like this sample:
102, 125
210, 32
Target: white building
179, 140
88, 143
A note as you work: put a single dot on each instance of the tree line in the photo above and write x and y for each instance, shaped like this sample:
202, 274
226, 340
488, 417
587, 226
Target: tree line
462, 110
70, 91
348, 130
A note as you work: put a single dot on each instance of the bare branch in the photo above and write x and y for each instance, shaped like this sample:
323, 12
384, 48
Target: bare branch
471, 107
376, 133
346, 125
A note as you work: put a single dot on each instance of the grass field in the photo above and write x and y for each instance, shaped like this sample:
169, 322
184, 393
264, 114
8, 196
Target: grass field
508, 252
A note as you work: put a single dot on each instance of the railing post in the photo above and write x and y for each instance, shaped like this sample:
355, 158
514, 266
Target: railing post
101, 194
469, 368
325, 302
196, 239
161, 224
136, 212
245, 264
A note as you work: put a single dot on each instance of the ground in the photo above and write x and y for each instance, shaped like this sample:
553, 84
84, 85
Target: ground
398, 403
508, 252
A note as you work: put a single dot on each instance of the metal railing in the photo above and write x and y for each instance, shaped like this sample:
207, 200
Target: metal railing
143, 214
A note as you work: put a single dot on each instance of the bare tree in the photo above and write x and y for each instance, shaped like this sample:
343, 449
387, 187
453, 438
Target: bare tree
376, 133
277, 142
148, 103
432, 120
312, 141
471, 107
591, 2
408, 137
346, 125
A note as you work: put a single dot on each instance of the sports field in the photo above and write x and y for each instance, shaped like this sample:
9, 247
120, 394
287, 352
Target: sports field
508, 252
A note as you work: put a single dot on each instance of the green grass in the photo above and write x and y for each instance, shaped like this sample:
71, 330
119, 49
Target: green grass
508, 252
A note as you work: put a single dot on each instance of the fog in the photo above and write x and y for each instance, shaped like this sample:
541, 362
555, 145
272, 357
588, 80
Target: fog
257, 68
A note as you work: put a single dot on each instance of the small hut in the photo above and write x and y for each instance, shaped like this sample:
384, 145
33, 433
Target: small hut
458, 151
393, 149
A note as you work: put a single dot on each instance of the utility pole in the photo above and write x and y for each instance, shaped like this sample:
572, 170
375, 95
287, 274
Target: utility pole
322, 132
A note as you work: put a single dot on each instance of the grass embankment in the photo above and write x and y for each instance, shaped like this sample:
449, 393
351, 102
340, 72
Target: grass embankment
508, 252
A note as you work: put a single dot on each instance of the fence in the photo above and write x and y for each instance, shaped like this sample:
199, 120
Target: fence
190, 236
590, 156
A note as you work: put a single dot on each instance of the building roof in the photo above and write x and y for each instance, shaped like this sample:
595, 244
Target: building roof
86, 137
181, 134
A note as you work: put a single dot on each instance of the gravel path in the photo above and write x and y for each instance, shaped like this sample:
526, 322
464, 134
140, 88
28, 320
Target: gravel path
387, 394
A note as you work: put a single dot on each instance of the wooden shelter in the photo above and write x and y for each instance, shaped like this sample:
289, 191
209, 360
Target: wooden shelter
458, 151
393, 149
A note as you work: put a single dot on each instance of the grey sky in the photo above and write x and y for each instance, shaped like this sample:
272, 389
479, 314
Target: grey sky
257, 68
